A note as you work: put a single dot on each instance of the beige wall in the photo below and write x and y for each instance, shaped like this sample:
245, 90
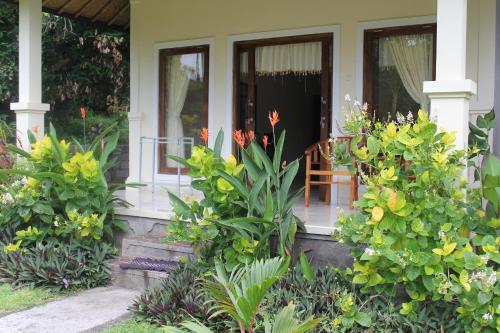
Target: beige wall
156, 21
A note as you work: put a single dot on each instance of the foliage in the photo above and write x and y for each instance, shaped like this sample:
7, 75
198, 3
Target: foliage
489, 170
413, 226
243, 205
179, 297
6, 131
65, 195
82, 65
57, 266
22, 298
332, 296
241, 293
133, 326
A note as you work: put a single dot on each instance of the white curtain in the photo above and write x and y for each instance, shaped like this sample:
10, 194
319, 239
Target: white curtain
299, 58
177, 83
412, 56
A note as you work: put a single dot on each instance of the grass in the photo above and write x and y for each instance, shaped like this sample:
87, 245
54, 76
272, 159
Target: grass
14, 300
133, 326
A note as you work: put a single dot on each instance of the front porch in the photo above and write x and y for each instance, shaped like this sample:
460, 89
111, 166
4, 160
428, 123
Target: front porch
319, 218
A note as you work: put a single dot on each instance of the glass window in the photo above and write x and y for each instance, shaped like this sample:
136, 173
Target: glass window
183, 101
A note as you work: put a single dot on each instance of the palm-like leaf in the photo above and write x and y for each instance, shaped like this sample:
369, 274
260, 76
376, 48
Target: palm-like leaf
191, 326
285, 322
241, 293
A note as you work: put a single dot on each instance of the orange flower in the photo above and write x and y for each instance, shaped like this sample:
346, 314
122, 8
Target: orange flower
274, 118
83, 113
251, 136
36, 129
239, 137
265, 141
204, 135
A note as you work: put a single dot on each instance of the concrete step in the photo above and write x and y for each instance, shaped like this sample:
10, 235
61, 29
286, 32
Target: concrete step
144, 226
132, 278
153, 247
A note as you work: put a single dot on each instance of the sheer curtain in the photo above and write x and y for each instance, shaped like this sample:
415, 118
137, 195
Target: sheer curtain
413, 59
177, 83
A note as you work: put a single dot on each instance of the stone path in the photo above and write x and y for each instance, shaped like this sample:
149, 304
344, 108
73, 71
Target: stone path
88, 311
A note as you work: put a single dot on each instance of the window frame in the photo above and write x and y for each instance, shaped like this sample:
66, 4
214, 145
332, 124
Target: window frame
371, 34
162, 98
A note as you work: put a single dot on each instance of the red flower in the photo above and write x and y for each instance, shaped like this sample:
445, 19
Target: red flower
251, 136
204, 135
274, 118
239, 137
265, 141
83, 113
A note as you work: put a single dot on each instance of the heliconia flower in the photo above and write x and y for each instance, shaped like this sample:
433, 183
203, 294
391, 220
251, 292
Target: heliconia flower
265, 141
239, 137
204, 135
36, 129
83, 113
251, 136
274, 118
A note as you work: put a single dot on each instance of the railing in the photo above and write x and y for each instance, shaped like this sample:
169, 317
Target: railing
179, 142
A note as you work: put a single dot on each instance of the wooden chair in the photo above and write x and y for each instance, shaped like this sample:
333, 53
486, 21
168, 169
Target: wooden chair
315, 161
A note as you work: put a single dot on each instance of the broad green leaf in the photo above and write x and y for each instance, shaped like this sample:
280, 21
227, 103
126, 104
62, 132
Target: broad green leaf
219, 140
306, 267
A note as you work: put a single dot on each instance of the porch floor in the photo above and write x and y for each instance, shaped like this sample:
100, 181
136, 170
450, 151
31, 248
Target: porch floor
319, 218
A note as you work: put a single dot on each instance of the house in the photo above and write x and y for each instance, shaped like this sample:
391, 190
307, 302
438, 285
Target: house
226, 64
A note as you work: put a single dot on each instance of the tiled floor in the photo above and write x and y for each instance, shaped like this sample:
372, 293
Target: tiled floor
319, 218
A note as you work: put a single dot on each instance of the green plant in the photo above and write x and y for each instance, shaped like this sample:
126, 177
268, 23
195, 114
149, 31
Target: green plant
57, 266
64, 195
18, 299
179, 297
332, 296
243, 205
6, 131
241, 293
413, 226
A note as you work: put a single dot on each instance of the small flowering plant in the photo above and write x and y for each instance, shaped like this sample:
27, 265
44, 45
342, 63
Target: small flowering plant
62, 195
413, 226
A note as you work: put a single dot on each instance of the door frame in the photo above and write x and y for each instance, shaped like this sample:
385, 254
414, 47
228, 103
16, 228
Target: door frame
334, 30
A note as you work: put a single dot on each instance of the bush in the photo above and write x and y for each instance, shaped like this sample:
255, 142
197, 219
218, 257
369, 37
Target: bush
57, 266
413, 225
63, 195
179, 297
344, 308
243, 204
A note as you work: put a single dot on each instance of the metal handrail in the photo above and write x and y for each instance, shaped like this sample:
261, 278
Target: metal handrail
182, 141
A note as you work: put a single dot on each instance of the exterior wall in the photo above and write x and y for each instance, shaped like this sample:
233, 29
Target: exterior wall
496, 137
160, 21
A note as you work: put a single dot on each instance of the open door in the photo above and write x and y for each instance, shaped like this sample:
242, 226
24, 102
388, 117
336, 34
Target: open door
293, 76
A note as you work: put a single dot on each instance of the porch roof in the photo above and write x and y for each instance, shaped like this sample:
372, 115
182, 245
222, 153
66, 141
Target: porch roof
114, 13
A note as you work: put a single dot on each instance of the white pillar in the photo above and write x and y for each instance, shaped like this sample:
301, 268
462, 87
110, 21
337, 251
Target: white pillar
134, 147
30, 110
451, 92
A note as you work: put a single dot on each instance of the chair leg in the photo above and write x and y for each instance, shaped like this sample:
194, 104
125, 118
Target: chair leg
307, 192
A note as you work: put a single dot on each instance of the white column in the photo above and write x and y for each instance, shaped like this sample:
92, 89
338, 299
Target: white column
30, 110
134, 147
451, 92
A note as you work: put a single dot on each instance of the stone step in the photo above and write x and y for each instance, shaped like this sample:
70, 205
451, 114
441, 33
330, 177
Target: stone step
153, 247
144, 226
132, 278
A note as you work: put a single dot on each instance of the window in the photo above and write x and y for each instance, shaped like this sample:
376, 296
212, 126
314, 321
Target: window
397, 61
183, 101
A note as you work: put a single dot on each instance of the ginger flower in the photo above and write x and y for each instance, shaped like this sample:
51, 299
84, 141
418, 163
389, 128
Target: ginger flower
265, 141
251, 136
239, 137
274, 118
204, 135
83, 113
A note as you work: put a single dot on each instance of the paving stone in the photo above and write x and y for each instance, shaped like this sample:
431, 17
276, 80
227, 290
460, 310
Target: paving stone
86, 312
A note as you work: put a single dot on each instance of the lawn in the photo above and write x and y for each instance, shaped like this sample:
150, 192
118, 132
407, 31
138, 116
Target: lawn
133, 326
14, 300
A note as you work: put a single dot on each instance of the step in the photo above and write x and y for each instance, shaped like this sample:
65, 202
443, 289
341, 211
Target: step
153, 247
144, 226
132, 278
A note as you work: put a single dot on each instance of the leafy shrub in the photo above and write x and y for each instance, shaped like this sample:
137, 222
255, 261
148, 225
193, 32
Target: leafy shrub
414, 227
243, 203
64, 195
57, 266
179, 297
332, 296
